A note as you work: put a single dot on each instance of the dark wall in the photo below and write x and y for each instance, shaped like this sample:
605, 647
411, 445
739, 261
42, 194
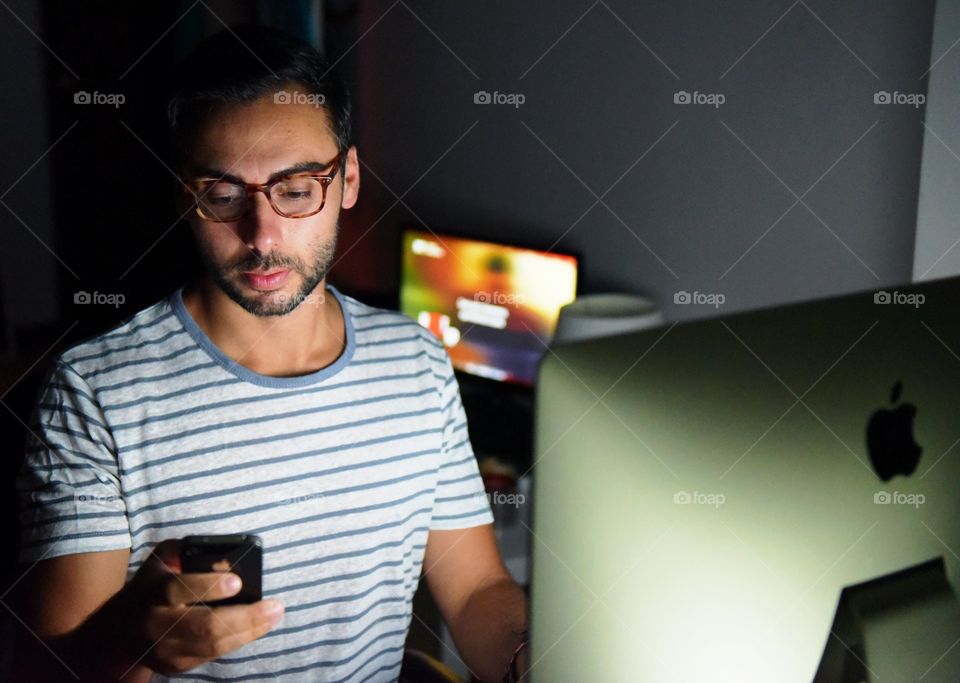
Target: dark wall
691, 198
656, 197
27, 267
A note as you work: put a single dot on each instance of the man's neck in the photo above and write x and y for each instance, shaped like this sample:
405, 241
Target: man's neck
304, 341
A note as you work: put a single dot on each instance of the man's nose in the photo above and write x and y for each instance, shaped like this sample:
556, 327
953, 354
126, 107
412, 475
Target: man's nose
261, 228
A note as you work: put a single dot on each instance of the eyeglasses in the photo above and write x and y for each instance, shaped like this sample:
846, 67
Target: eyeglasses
297, 195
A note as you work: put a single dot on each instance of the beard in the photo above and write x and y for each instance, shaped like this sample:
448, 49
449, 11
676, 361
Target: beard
275, 303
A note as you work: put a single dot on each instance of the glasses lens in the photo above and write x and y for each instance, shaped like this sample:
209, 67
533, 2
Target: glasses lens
297, 195
222, 201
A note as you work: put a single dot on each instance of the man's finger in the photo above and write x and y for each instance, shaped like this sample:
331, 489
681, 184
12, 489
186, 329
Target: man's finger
211, 632
188, 589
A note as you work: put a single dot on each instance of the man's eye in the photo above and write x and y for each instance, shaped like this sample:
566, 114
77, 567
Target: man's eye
220, 195
298, 189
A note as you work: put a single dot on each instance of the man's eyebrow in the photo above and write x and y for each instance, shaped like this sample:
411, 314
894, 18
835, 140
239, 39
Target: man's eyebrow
303, 167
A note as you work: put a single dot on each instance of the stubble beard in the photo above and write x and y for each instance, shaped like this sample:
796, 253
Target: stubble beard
275, 303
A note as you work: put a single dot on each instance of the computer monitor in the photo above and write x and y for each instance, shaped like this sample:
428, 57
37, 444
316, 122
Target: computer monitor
703, 492
494, 306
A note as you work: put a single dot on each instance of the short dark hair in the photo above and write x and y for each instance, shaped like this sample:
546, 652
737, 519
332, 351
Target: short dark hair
242, 64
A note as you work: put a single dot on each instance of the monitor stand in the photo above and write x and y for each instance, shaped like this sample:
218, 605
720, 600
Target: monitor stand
899, 627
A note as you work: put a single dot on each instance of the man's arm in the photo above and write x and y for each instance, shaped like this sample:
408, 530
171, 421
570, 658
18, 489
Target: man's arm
57, 597
88, 619
484, 608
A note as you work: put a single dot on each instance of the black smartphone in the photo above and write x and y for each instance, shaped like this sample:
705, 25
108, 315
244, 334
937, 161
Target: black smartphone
241, 554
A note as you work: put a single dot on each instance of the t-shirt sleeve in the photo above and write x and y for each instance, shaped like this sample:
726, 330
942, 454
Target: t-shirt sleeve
460, 501
69, 485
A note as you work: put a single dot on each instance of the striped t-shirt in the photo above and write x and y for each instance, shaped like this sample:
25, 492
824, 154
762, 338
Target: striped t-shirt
150, 431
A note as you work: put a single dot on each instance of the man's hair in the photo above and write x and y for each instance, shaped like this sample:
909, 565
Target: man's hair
242, 64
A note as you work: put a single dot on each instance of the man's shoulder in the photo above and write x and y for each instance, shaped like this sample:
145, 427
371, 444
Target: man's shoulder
374, 325
148, 331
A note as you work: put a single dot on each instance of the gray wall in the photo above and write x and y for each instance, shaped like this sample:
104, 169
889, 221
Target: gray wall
937, 251
686, 206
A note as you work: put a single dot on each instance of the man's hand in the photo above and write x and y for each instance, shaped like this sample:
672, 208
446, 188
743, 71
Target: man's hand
100, 627
171, 632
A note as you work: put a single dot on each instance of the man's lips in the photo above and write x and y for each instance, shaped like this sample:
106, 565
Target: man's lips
266, 282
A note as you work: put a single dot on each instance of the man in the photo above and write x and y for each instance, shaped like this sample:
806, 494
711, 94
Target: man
258, 400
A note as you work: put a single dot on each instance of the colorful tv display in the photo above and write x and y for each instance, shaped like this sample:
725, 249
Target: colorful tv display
493, 306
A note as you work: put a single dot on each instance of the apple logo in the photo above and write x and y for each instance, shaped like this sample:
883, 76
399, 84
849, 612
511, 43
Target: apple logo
890, 438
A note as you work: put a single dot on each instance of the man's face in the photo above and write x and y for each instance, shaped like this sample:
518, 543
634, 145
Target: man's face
266, 263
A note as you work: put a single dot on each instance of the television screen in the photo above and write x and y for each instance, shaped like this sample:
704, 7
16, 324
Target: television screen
493, 306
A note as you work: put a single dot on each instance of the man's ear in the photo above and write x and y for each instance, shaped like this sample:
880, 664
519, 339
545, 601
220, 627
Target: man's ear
351, 179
